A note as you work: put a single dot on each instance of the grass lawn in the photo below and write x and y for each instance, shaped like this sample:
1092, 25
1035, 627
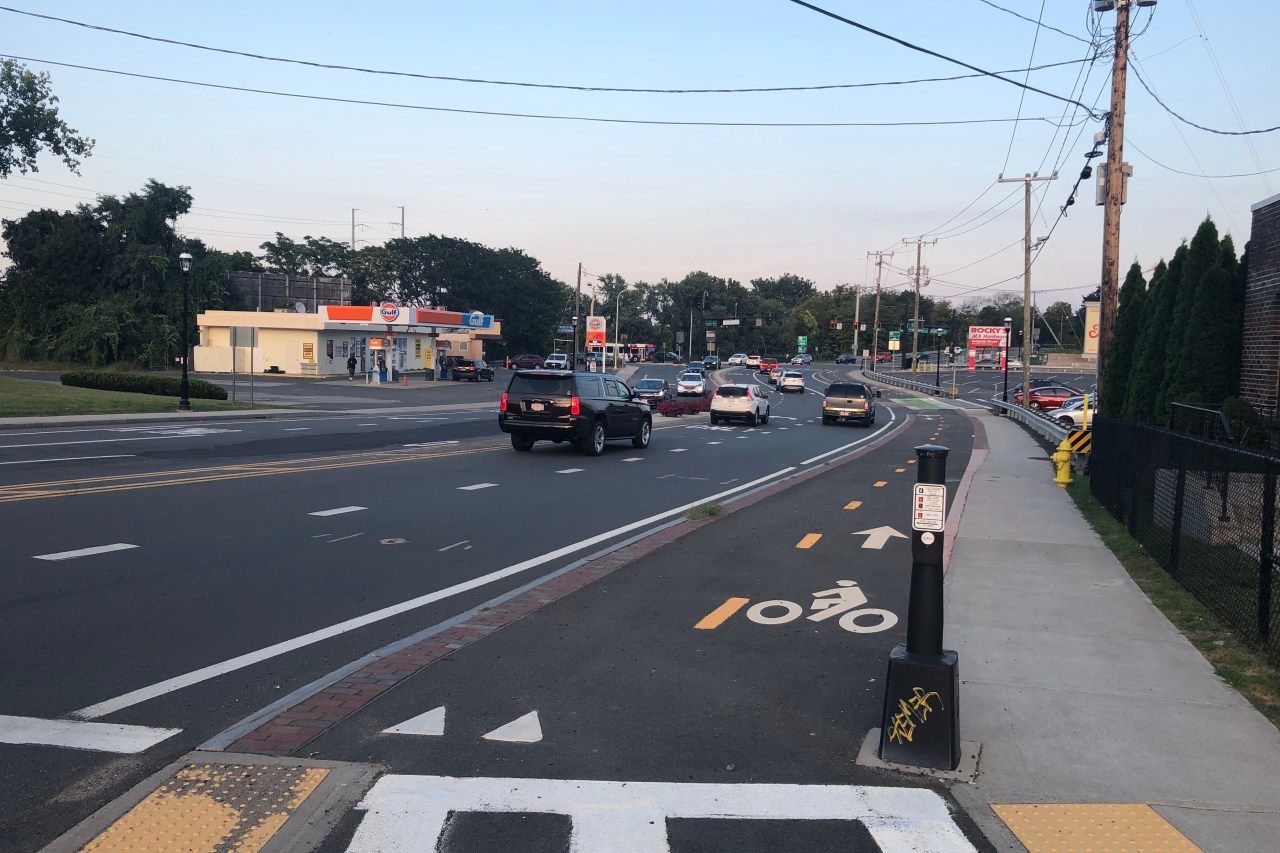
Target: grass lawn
27, 398
1243, 667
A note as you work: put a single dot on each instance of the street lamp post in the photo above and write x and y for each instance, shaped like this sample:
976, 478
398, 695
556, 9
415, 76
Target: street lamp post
1008, 326
617, 329
184, 404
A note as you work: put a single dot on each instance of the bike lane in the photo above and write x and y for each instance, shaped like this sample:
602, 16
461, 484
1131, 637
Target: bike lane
674, 677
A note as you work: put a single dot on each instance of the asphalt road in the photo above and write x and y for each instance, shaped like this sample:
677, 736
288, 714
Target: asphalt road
179, 578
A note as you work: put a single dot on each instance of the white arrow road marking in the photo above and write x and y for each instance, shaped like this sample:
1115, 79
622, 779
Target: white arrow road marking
877, 537
476, 486
430, 724
87, 552
339, 511
406, 813
523, 730
76, 734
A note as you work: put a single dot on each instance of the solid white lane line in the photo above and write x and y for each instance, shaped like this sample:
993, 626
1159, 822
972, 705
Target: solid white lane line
454, 545
339, 511
430, 444
109, 706
91, 441
366, 424
569, 471
476, 486
70, 459
77, 734
862, 440
86, 552
343, 538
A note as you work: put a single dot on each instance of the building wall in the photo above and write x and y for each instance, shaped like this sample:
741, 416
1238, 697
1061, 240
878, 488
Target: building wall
1260, 358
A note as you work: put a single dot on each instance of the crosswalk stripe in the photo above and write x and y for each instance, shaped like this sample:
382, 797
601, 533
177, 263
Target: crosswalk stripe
77, 734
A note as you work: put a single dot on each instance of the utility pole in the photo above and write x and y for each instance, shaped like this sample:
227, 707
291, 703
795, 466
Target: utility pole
915, 321
1026, 274
1110, 295
402, 222
577, 310
353, 229
857, 316
875, 323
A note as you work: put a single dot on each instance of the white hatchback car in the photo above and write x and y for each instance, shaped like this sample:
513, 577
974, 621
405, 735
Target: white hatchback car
792, 380
692, 383
744, 402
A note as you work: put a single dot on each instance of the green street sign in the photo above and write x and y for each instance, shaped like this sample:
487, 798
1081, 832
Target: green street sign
803, 340
895, 336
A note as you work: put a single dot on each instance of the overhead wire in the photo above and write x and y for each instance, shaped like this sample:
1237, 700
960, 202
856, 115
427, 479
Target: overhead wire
542, 116
1137, 73
1040, 24
519, 83
1129, 143
1022, 94
934, 53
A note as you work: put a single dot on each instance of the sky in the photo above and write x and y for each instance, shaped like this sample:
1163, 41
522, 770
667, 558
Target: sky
655, 185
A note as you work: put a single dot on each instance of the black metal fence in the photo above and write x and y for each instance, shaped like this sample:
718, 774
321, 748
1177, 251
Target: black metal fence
1206, 511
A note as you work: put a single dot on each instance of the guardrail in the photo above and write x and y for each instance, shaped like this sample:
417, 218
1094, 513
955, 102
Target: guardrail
890, 379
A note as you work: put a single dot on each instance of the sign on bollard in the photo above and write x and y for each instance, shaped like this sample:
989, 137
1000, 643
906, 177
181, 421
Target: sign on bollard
920, 725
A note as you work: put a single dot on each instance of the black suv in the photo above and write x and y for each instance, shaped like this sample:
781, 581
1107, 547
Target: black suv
849, 401
711, 362
473, 369
583, 408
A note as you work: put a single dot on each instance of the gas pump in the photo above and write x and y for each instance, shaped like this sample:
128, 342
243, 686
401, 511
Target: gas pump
378, 369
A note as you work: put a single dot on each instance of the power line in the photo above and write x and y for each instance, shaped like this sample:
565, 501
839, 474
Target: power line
1186, 120
1129, 141
596, 119
1039, 24
1022, 95
941, 56
519, 83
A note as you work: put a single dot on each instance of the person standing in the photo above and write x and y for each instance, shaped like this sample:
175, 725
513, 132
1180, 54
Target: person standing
351, 366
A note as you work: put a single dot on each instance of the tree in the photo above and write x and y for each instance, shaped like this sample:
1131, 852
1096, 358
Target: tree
1059, 318
788, 289
1180, 376
1141, 397
1129, 320
29, 122
314, 256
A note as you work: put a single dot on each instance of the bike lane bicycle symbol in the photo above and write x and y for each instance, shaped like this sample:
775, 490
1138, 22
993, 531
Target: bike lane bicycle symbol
845, 600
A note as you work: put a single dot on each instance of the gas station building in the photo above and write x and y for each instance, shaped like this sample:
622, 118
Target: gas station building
304, 344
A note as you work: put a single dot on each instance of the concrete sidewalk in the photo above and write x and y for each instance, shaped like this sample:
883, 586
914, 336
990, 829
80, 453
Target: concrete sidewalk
1077, 688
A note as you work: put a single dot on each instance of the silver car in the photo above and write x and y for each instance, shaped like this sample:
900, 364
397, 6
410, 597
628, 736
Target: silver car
1071, 413
691, 384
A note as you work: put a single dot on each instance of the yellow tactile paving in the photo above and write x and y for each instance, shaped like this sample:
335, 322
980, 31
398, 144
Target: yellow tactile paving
1092, 828
212, 808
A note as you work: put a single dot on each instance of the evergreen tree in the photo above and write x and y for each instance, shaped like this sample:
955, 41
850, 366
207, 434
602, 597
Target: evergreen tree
1185, 349
1214, 335
1162, 367
1124, 344
1148, 368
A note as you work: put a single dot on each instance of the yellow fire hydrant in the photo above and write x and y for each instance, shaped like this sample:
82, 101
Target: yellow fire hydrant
1062, 459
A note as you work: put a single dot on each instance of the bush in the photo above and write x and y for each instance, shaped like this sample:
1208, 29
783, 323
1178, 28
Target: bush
137, 383
676, 408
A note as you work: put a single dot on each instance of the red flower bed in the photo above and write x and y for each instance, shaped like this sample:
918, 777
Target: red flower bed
676, 408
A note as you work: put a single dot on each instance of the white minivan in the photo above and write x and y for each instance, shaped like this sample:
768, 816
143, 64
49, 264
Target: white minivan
557, 361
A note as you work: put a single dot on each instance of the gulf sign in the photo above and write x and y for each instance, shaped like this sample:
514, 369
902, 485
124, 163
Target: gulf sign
389, 312
595, 331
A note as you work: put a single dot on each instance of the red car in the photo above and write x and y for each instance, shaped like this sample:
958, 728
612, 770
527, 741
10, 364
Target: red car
884, 356
527, 362
1048, 397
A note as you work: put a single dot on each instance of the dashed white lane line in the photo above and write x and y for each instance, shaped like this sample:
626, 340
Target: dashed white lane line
344, 538
570, 471
366, 424
70, 459
476, 486
296, 429
634, 459
679, 449
342, 510
77, 734
715, 442
86, 552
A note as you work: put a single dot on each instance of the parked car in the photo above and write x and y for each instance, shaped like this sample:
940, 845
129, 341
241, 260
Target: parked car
527, 361
849, 401
670, 357
557, 361
738, 358
1047, 398
739, 402
691, 384
847, 358
586, 409
802, 358
1071, 413
753, 362
767, 364
791, 380
986, 363
711, 362
471, 368
653, 391
884, 356
1016, 364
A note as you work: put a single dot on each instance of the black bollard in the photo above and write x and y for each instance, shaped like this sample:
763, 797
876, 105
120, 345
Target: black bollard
920, 724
